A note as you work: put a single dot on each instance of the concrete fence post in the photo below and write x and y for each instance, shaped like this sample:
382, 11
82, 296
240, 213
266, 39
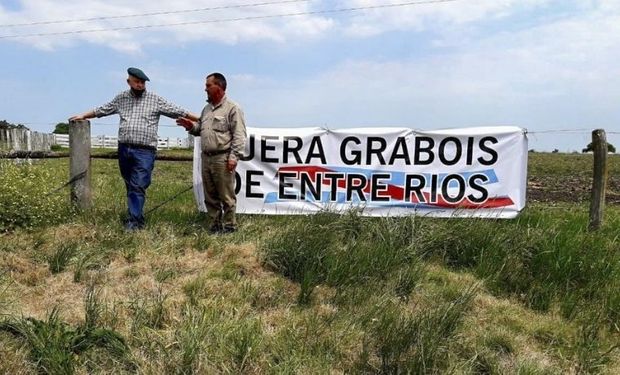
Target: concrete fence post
79, 163
599, 180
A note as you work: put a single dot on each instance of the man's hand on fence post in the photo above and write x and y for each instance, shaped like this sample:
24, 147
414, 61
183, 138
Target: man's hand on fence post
83, 116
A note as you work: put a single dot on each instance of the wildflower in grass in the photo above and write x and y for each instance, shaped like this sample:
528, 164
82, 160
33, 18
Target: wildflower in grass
24, 198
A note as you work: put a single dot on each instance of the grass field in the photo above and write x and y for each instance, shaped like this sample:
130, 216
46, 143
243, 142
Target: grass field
305, 294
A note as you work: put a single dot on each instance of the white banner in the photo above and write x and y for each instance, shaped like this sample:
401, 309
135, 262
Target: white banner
470, 172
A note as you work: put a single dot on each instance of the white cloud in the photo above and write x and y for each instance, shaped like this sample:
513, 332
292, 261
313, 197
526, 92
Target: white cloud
430, 15
200, 25
361, 23
562, 74
545, 64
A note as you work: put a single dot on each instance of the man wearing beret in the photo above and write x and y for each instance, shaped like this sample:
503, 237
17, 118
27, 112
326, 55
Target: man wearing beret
222, 137
139, 112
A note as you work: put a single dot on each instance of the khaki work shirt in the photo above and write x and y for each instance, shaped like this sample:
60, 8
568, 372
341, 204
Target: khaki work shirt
222, 127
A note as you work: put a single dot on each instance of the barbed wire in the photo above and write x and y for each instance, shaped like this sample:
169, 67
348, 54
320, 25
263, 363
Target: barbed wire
556, 131
171, 198
576, 130
584, 131
78, 176
560, 131
82, 175
92, 123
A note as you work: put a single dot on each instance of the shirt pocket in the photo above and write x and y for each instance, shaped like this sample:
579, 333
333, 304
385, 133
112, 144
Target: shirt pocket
123, 127
220, 124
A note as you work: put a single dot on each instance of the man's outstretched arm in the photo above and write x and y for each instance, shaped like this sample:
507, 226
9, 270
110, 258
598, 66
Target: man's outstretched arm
83, 116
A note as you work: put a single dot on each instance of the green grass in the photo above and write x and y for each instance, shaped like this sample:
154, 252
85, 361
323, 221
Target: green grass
26, 198
149, 311
306, 294
541, 259
4, 287
56, 348
345, 251
412, 343
559, 164
61, 257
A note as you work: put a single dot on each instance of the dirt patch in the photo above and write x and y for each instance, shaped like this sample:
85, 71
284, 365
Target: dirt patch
22, 270
569, 189
58, 291
245, 258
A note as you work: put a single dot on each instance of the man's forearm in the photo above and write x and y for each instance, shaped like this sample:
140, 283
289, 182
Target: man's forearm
192, 116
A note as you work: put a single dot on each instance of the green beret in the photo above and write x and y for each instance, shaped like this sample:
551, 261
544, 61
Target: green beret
139, 74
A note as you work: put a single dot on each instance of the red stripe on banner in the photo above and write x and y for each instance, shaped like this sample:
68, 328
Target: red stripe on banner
311, 170
489, 203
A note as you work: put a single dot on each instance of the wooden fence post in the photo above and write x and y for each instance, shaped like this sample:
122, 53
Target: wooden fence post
79, 164
599, 181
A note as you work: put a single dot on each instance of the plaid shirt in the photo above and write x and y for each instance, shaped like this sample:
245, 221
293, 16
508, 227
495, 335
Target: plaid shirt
139, 116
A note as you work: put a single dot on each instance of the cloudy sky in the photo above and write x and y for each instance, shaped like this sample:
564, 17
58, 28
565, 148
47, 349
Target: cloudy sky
550, 66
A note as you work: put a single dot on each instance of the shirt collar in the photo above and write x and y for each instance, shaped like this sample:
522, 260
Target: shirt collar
220, 103
135, 97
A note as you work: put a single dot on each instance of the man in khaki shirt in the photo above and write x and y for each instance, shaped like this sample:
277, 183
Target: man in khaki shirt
222, 136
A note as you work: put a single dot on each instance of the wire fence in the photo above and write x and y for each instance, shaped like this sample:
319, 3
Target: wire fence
566, 140
556, 140
585, 133
20, 139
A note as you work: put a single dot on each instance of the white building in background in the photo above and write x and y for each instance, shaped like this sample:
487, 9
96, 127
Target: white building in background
111, 141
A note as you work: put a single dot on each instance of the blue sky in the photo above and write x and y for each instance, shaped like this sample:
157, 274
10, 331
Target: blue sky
544, 65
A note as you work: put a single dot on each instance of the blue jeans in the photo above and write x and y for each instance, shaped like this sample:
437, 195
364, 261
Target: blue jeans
136, 165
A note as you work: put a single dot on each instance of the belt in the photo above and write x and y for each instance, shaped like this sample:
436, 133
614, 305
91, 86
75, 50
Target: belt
142, 147
219, 152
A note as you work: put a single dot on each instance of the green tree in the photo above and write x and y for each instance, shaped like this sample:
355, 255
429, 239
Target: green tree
7, 125
61, 128
590, 148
